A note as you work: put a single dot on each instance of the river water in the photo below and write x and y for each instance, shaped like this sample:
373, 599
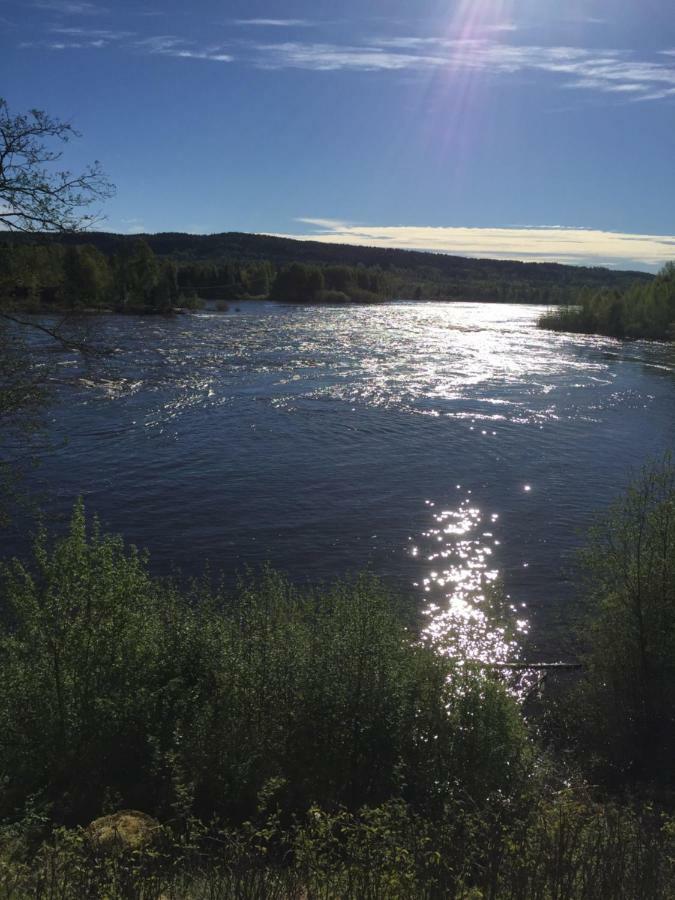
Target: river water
444, 446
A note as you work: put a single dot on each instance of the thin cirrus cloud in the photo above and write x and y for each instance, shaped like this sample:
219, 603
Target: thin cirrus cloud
66, 38
134, 225
70, 7
614, 72
168, 45
93, 33
579, 246
274, 23
606, 71
331, 58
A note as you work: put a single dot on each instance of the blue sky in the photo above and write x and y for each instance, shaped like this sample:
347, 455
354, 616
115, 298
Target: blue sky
529, 129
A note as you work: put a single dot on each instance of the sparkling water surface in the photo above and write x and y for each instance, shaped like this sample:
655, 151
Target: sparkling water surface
447, 447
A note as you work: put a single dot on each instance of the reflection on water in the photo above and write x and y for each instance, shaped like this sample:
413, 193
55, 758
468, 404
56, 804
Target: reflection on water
467, 614
309, 437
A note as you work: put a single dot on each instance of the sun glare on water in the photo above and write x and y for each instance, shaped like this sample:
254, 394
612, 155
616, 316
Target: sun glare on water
467, 614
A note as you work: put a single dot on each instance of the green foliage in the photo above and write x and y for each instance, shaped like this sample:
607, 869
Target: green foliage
571, 846
237, 266
138, 283
80, 276
330, 751
298, 283
116, 685
624, 709
29, 274
329, 297
228, 280
82, 649
307, 743
642, 311
331, 693
86, 277
566, 847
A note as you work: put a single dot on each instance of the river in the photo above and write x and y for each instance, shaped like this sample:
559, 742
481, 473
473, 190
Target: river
443, 446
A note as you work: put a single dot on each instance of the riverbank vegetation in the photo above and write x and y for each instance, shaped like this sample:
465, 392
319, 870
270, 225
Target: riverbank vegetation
104, 270
134, 280
641, 311
299, 743
58, 278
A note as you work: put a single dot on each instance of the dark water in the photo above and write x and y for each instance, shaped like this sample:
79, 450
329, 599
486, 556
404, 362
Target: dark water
439, 444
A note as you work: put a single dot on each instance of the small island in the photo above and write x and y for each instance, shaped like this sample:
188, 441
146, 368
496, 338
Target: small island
645, 310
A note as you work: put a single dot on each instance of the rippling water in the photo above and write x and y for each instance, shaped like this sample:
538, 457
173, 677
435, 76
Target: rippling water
446, 446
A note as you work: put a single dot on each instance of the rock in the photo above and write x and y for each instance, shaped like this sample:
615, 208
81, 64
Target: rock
124, 830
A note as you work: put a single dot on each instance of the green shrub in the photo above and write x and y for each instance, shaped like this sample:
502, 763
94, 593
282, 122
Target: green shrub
646, 310
625, 706
329, 296
89, 650
120, 691
568, 846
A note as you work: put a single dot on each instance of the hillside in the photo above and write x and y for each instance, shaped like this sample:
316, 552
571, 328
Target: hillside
409, 273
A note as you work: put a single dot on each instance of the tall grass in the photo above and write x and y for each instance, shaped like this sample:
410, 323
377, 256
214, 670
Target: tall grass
567, 848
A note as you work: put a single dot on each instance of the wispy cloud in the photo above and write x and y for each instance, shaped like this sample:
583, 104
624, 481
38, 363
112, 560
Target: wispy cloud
160, 43
531, 244
77, 45
65, 45
585, 20
67, 38
168, 45
608, 71
93, 33
70, 7
331, 57
213, 55
133, 225
274, 23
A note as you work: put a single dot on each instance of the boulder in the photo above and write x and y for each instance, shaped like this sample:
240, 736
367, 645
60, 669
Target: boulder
124, 830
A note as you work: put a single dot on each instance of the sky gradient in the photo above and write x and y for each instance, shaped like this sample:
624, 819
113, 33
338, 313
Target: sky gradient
525, 129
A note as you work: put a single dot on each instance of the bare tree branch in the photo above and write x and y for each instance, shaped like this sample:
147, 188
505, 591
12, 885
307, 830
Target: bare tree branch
34, 196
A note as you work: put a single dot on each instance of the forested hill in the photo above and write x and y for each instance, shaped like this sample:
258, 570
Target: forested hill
407, 273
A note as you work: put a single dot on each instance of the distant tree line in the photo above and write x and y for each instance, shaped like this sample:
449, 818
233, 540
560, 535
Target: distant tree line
299, 283
641, 311
81, 276
416, 266
294, 283
134, 279
179, 269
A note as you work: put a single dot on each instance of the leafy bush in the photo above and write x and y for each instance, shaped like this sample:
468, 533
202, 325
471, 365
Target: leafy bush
567, 847
624, 709
89, 649
329, 296
118, 690
308, 743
